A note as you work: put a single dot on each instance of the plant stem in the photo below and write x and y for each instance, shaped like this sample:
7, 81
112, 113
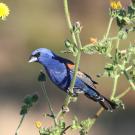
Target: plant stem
68, 98
99, 112
128, 68
109, 27
79, 40
114, 87
117, 44
67, 14
123, 93
20, 123
48, 102
77, 59
63, 132
116, 73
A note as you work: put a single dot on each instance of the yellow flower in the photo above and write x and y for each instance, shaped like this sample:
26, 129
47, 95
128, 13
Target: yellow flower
4, 11
38, 124
116, 5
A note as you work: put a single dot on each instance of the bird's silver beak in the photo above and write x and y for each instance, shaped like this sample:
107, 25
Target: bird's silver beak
33, 59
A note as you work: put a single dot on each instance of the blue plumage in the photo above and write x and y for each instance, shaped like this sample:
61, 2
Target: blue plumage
60, 72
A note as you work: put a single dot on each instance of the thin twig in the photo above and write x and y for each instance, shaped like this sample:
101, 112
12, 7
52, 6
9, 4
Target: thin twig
63, 132
99, 112
67, 14
48, 102
20, 123
77, 59
79, 40
109, 27
116, 72
114, 87
123, 93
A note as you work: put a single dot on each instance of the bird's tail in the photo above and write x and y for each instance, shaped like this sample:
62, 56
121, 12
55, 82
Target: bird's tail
107, 104
104, 102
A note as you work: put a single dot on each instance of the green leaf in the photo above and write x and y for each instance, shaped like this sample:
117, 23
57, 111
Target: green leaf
44, 131
131, 11
24, 110
86, 125
122, 34
109, 70
68, 44
28, 100
72, 48
62, 124
34, 98
119, 103
75, 123
132, 74
121, 22
90, 49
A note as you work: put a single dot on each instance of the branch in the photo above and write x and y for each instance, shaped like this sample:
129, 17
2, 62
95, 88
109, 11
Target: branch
123, 93
67, 14
48, 102
77, 61
109, 27
99, 112
114, 87
63, 132
20, 123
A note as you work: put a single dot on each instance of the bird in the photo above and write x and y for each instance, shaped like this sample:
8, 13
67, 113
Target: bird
60, 71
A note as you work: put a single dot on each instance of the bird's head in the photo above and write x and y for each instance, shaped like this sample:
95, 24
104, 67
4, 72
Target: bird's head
41, 55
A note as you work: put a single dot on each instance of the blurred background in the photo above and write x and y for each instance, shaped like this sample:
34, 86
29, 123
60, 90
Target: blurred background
41, 23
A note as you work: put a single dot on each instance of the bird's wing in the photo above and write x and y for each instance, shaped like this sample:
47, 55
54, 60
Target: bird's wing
86, 79
82, 76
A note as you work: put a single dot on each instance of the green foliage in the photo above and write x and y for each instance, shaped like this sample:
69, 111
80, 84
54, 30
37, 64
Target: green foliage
82, 126
56, 130
70, 48
119, 102
122, 61
123, 16
75, 124
86, 125
28, 103
101, 47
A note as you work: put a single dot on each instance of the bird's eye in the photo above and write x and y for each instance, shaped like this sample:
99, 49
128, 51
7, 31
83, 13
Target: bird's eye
37, 54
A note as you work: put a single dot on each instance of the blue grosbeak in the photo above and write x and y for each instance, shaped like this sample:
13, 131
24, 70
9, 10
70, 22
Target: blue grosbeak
60, 72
